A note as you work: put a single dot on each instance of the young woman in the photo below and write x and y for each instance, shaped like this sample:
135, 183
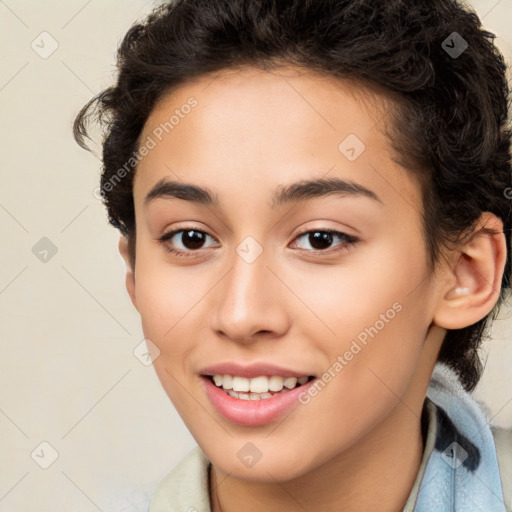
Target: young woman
314, 206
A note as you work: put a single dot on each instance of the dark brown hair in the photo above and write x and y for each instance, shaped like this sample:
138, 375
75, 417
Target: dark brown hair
434, 58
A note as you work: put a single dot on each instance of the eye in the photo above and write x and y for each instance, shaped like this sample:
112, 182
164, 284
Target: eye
186, 241
190, 239
321, 239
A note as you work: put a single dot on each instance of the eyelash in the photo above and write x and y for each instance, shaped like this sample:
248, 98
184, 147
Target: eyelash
348, 245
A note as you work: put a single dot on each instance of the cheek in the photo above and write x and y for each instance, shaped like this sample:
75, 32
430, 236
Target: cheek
372, 312
375, 279
170, 321
166, 296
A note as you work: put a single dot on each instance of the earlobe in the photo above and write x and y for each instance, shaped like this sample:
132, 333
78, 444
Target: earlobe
475, 279
130, 272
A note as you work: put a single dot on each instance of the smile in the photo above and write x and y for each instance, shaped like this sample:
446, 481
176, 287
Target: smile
257, 388
255, 408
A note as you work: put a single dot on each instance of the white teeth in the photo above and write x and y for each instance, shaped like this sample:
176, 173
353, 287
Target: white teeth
227, 382
253, 396
240, 384
275, 383
257, 385
290, 382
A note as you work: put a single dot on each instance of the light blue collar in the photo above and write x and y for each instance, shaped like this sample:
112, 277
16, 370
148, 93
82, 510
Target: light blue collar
462, 473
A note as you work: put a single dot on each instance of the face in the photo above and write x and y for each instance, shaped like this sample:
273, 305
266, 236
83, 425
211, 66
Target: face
274, 280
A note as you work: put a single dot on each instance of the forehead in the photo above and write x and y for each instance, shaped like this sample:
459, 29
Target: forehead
253, 126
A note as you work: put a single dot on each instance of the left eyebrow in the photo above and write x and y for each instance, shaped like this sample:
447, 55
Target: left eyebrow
294, 192
310, 189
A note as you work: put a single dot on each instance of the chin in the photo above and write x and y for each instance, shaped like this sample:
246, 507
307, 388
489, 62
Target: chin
272, 465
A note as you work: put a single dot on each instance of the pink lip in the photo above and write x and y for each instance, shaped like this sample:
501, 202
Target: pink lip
253, 413
251, 370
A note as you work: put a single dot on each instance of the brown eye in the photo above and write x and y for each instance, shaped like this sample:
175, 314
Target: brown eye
322, 239
184, 242
192, 239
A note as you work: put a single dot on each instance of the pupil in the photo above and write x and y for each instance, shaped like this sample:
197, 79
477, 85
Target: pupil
193, 242
323, 239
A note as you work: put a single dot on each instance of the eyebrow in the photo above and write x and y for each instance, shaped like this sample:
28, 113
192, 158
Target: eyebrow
294, 192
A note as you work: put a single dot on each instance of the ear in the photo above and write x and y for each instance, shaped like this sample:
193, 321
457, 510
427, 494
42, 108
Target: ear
473, 284
130, 272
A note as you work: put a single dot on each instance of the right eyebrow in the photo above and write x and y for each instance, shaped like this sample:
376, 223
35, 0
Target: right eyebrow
166, 188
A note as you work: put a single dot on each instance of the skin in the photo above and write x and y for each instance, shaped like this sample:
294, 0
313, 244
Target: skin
252, 132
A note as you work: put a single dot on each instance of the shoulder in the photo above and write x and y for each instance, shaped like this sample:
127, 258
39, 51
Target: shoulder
184, 488
503, 442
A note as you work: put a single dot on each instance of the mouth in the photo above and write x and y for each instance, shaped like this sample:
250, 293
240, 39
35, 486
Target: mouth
262, 387
255, 400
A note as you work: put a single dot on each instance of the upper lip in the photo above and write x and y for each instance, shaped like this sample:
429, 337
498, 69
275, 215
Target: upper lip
251, 370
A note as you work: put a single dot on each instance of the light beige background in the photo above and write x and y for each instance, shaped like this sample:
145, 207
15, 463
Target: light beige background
68, 330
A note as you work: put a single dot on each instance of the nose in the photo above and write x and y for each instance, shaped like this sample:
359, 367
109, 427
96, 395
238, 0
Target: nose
250, 303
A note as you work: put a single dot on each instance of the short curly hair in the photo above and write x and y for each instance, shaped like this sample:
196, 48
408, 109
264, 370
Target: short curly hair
450, 121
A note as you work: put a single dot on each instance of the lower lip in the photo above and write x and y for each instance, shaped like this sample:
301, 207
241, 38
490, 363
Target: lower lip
253, 413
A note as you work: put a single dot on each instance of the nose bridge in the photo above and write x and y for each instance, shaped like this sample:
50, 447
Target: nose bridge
249, 300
